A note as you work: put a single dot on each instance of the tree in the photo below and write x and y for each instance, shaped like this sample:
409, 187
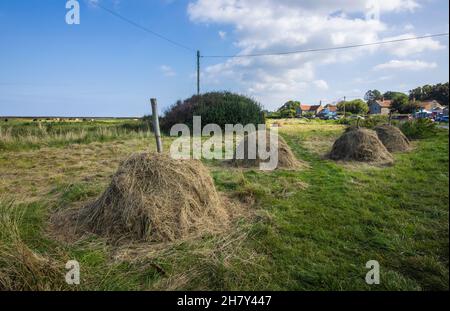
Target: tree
438, 92
372, 96
289, 109
398, 103
390, 95
220, 108
357, 106
402, 104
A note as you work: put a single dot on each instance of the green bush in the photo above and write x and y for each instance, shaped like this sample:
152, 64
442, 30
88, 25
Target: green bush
273, 115
216, 107
372, 121
420, 128
356, 106
289, 109
308, 114
368, 122
344, 121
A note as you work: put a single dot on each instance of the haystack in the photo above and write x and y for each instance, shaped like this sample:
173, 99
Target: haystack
155, 198
286, 159
392, 138
360, 144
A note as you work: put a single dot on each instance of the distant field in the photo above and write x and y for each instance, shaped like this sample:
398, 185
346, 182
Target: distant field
312, 229
20, 134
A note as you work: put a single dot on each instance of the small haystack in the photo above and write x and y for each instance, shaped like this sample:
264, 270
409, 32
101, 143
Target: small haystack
360, 144
392, 138
286, 159
155, 198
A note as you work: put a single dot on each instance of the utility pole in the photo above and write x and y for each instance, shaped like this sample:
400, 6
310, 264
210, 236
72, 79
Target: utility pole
345, 104
198, 72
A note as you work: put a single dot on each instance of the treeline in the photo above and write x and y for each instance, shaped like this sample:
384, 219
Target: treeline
438, 92
408, 103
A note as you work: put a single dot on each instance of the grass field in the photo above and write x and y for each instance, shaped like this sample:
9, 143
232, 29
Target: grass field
312, 229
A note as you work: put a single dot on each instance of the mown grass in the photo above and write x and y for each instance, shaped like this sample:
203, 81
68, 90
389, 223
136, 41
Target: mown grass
310, 230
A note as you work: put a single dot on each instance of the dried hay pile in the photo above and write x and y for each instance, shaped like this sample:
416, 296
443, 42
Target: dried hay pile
392, 138
286, 159
359, 144
155, 198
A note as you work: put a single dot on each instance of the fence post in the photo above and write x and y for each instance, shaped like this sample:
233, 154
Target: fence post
156, 124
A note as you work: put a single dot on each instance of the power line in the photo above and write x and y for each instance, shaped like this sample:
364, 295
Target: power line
129, 21
326, 49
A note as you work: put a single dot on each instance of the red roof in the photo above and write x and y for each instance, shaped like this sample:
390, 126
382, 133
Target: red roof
331, 108
384, 103
309, 107
429, 104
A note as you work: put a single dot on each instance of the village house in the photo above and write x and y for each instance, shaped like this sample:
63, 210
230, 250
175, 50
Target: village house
431, 106
328, 110
380, 107
315, 109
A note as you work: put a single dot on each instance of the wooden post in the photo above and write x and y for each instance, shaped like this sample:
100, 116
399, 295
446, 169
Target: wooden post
156, 125
345, 104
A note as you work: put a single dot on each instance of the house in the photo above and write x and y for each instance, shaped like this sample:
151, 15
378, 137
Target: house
328, 111
380, 107
430, 105
314, 109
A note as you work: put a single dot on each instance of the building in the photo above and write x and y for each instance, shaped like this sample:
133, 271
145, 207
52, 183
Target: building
430, 105
314, 109
328, 111
380, 107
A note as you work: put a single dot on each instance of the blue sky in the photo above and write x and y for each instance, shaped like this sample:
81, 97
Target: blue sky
106, 67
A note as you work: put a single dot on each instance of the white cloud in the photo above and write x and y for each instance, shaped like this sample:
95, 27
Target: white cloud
222, 34
321, 84
372, 80
263, 26
167, 71
407, 48
414, 65
408, 27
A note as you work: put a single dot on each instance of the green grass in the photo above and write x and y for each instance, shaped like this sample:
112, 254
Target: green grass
322, 237
313, 229
19, 135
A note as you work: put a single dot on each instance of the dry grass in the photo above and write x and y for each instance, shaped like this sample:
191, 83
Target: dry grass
22, 269
221, 251
155, 198
32, 174
286, 159
392, 138
360, 145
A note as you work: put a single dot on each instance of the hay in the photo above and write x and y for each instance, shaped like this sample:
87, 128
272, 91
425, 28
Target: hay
392, 138
286, 159
362, 145
155, 198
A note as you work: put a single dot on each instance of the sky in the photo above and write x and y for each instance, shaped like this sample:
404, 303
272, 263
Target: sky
107, 67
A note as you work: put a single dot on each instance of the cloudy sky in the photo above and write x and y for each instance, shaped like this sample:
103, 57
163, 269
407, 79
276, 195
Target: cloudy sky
107, 67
